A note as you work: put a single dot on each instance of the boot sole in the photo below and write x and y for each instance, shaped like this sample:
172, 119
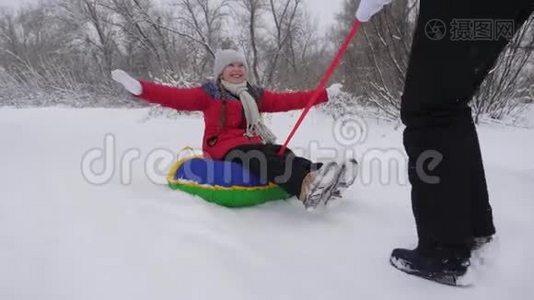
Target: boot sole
340, 186
446, 279
321, 187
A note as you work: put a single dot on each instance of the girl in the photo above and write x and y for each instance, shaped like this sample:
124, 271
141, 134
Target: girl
234, 130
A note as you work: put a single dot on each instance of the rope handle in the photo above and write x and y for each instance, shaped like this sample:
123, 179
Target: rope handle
322, 83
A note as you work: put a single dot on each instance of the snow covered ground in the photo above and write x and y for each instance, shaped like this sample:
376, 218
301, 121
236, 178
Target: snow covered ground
62, 237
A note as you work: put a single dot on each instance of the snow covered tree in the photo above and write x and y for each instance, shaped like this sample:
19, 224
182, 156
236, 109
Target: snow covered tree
507, 88
376, 62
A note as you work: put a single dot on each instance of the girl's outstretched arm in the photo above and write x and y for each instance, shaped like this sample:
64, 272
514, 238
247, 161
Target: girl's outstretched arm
178, 98
278, 102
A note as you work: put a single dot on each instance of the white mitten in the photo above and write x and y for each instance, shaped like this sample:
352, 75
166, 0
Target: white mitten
334, 90
130, 84
368, 8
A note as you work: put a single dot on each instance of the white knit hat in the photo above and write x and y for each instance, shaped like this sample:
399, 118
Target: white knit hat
225, 57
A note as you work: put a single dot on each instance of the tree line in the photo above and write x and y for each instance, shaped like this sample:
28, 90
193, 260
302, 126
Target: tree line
62, 51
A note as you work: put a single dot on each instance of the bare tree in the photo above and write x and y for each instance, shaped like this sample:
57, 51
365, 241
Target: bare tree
284, 16
200, 22
278, 37
47, 57
93, 22
376, 62
250, 19
136, 21
203, 19
509, 80
57, 48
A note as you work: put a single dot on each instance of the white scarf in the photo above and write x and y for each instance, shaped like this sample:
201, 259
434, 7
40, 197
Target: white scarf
255, 125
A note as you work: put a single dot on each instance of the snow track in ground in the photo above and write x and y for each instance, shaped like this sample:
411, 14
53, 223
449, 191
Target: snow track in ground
64, 238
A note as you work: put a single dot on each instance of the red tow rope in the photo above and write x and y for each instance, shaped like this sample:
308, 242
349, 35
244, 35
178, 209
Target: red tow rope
322, 83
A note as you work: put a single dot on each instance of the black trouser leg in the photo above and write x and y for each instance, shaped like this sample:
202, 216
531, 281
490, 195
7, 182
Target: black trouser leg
450, 199
482, 216
287, 171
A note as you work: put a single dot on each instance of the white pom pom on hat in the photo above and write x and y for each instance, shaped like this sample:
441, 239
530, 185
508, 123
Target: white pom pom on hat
225, 57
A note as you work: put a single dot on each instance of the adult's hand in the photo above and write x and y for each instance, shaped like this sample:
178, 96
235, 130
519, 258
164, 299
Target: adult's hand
368, 8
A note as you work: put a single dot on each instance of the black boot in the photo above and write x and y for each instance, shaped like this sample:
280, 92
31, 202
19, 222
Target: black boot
443, 265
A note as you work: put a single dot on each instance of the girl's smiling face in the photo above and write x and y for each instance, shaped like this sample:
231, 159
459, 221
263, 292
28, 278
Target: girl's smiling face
235, 73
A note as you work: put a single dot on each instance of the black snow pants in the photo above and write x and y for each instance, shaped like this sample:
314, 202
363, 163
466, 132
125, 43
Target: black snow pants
449, 193
288, 171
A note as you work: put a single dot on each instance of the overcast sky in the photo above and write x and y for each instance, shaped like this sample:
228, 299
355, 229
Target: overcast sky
324, 10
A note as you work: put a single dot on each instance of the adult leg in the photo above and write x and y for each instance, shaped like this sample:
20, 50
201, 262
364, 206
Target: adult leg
450, 202
449, 193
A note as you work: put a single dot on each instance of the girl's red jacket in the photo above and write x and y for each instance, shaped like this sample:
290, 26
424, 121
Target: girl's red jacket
221, 137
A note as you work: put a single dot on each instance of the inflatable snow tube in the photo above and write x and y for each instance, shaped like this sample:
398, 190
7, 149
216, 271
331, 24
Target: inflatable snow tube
222, 182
